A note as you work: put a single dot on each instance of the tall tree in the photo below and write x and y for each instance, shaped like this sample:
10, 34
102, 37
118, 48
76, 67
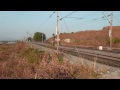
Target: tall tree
39, 36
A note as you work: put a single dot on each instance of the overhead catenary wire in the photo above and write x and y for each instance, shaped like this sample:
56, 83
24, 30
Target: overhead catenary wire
101, 18
83, 18
105, 17
47, 19
67, 15
90, 24
93, 26
116, 18
93, 20
78, 18
65, 23
81, 23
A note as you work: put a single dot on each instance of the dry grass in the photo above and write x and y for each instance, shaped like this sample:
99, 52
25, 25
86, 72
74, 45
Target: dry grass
19, 61
91, 37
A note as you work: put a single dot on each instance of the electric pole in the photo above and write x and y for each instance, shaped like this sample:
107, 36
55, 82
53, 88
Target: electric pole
111, 30
57, 33
27, 36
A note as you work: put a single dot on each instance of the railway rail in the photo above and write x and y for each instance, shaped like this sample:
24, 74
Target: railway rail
111, 58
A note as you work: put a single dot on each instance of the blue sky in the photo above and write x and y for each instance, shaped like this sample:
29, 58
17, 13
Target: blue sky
16, 24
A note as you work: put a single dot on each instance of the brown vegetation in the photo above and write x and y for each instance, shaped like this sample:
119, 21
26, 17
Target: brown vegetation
92, 37
19, 61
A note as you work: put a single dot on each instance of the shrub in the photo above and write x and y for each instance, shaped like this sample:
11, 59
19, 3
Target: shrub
75, 40
116, 40
32, 55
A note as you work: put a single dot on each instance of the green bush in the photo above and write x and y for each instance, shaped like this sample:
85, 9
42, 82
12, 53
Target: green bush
116, 40
32, 55
60, 58
75, 40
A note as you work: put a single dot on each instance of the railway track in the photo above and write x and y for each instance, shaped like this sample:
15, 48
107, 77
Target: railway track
104, 59
105, 49
111, 58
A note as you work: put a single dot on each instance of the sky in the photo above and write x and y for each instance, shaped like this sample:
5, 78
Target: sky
17, 25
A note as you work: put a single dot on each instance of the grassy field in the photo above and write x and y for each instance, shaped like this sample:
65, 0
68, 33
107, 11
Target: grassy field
20, 61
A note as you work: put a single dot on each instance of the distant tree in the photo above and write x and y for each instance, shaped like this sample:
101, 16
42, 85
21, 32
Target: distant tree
29, 39
53, 35
61, 33
72, 32
39, 36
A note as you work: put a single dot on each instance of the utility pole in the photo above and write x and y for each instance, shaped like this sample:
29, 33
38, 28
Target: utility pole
27, 36
57, 33
110, 32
